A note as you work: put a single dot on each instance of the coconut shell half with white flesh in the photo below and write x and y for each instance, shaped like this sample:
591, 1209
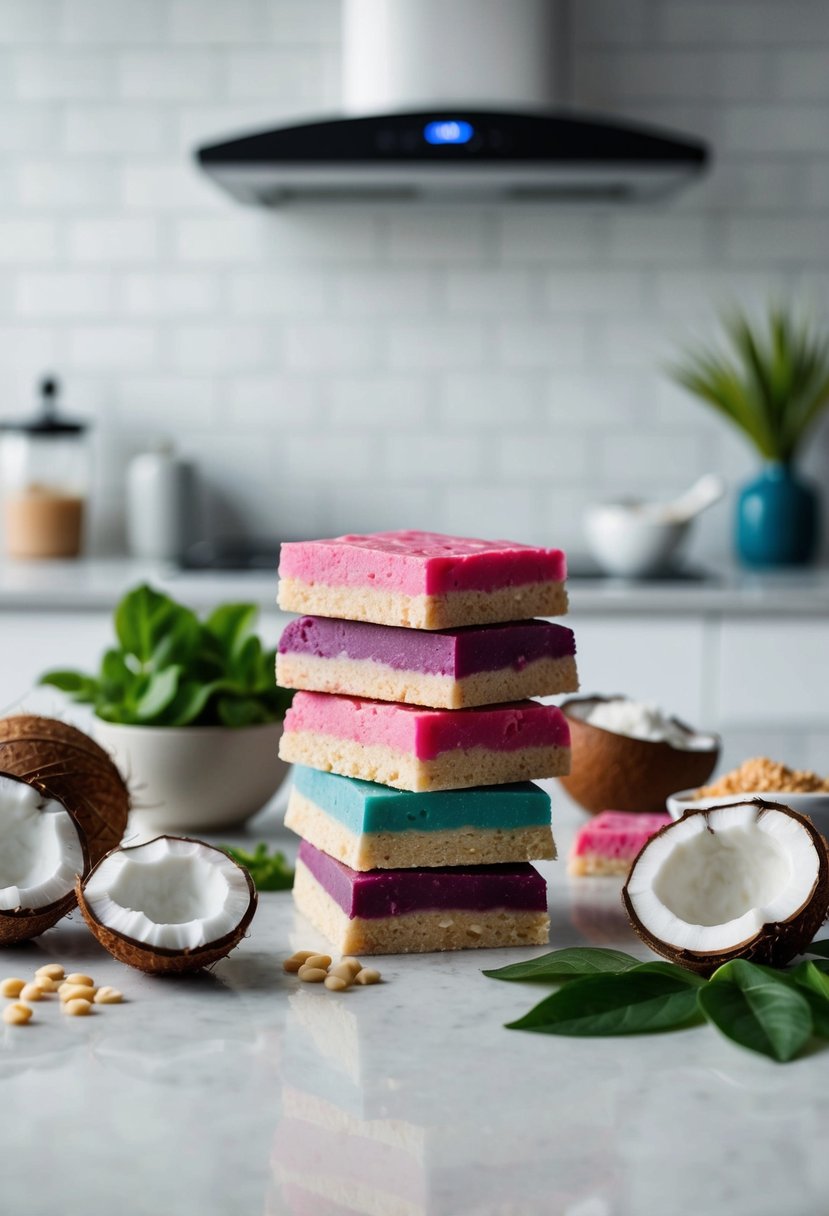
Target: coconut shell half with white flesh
168, 906
747, 879
42, 853
66, 764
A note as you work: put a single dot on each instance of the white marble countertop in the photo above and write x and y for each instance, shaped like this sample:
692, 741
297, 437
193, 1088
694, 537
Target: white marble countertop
243, 1092
97, 584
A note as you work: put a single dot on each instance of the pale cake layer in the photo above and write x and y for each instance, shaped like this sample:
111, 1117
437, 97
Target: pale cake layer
446, 611
364, 678
593, 865
449, 770
465, 846
415, 932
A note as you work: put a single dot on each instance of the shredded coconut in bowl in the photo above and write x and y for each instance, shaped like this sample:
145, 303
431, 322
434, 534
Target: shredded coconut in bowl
763, 776
638, 720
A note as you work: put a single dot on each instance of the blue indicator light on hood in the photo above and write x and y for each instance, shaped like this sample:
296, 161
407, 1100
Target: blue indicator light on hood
448, 131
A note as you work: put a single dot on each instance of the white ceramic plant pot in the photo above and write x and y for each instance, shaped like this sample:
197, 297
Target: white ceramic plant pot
195, 778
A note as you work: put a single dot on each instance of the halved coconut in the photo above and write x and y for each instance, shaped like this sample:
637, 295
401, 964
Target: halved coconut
42, 853
742, 880
170, 905
66, 764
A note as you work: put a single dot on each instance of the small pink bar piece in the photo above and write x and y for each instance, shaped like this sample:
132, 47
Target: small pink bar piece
412, 748
421, 580
609, 842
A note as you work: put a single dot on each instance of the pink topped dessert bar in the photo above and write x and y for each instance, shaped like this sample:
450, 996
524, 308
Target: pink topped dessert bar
609, 842
411, 748
421, 580
443, 668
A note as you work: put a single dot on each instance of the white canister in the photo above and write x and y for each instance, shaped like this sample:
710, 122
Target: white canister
160, 505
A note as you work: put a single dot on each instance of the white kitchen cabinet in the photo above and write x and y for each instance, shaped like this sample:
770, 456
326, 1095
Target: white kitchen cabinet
656, 659
772, 671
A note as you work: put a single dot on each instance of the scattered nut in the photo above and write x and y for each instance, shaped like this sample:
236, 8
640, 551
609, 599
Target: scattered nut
336, 984
16, 1014
475, 930
31, 992
302, 956
312, 975
77, 978
108, 996
53, 970
318, 960
353, 964
12, 987
77, 1008
292, 965
45, 983
368, 975
72, 992
343, 971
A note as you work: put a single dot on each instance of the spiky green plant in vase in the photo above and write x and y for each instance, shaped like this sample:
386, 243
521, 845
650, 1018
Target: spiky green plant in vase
771, 380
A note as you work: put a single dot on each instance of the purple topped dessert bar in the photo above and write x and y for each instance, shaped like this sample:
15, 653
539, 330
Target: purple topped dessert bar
443, 669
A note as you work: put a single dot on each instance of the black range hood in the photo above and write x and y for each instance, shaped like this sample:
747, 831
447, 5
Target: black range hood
454, 153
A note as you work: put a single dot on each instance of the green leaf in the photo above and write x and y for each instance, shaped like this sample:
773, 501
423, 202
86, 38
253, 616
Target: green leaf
820, 948
80, 687
269, 872
160, 691
757, 1010
814, 984
143, 619
561, 965
241, 711
232, 625
647, 998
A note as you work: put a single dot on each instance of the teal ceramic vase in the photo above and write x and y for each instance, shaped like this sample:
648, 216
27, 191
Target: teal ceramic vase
777, 519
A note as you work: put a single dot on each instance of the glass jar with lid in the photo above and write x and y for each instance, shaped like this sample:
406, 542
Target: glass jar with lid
45, 471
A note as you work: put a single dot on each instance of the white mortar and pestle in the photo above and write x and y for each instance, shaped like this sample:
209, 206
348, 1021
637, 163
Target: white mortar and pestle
632, 538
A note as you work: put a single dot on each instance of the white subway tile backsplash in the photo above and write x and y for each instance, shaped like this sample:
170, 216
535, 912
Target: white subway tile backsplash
63, 294
24, 241
76, 185
221, 348
58, 75
123, 347
204, 22
114, 130
117, 22
491, 292
376, 402
163, 74
426, 235
485, 368
430, 458
112, 240
327, 346
435, 345
541, 344
272, 294
171, 294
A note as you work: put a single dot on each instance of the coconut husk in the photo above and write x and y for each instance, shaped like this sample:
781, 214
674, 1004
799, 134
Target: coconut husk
66, 764
775, 944
156, 960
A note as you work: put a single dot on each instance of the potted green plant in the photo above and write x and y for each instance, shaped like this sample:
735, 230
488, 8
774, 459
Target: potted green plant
189, 710
771, 380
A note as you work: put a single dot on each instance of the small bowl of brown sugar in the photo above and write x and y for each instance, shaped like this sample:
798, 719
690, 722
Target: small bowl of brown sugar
801, 789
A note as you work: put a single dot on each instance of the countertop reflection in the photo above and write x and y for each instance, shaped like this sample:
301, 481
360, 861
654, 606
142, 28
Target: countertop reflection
243, 1092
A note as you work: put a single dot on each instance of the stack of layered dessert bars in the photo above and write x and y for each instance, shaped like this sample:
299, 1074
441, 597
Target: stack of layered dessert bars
414, 742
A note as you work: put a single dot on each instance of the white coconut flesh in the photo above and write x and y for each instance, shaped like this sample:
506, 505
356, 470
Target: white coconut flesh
169, 894
711, 882
40, 848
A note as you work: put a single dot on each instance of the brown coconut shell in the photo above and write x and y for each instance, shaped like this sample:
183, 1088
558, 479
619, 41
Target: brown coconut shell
22, 924
609, 771
68, 765
156, 960
775, 944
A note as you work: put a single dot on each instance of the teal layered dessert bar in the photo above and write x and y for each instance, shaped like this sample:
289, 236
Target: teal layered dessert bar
374, 827
420, 910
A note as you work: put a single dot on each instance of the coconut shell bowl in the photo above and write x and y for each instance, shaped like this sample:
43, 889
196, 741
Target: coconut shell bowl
616, 772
